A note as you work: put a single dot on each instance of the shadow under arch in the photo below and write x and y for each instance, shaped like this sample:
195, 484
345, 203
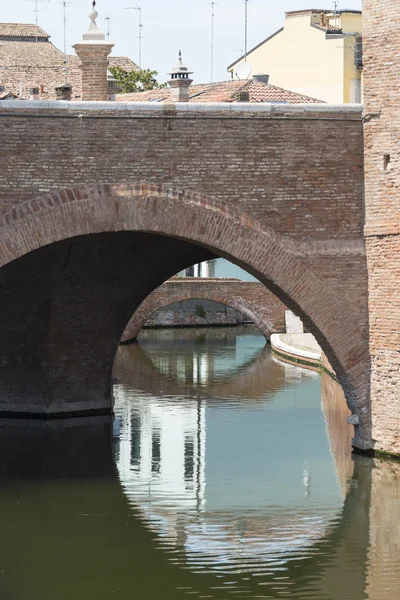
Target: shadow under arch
219, 229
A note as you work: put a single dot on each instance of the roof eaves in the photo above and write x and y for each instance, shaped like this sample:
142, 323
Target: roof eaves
256, 47
307, 11
197, 94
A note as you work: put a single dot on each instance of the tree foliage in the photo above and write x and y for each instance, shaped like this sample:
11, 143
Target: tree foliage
135, 81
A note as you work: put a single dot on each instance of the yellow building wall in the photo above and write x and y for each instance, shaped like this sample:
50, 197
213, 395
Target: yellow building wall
301, 59
351, 24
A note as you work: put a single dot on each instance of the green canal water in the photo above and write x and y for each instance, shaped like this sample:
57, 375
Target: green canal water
224, 474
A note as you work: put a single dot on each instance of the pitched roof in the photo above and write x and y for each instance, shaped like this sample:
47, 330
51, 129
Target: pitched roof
7, 96
223, 91
25, 63
23, 30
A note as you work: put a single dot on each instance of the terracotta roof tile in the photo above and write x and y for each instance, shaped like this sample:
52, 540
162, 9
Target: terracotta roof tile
21, 30
26, 64
124, 62
224, 91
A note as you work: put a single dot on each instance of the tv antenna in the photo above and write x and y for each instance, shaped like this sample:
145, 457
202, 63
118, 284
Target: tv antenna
108, 28
335, 10
213, 3
65, 5
140, 27
36, 11
246, 3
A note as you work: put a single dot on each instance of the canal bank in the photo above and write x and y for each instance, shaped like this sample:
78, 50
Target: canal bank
302, 349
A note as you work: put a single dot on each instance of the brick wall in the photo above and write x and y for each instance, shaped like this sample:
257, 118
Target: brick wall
276, 189
382, 207
251, 299
195, 313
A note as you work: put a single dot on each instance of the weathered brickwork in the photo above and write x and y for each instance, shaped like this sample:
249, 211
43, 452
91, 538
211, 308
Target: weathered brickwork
94, 63
276, 189
195, 312
252, 299
382, 220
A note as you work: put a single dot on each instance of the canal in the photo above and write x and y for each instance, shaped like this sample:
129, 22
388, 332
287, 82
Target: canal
224, 474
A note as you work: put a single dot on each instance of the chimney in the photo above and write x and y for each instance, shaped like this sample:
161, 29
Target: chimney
93, 53
180, 82
261, 77
34, 93
64, 92
112, 88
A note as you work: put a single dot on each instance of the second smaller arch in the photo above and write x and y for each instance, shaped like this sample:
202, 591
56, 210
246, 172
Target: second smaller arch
251, 299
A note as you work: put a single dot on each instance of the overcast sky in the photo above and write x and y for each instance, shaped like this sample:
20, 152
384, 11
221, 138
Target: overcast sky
168, 25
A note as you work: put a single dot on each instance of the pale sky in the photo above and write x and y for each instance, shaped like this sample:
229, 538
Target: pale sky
168, 25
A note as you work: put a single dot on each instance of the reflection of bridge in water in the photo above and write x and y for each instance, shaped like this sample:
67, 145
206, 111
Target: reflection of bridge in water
92, 537
162, 460
174, 503
164, 368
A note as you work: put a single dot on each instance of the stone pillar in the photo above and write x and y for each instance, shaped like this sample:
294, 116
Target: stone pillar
381, 22
93, 53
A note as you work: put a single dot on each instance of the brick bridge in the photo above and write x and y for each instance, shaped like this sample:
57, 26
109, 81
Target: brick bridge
250, 298
100, 203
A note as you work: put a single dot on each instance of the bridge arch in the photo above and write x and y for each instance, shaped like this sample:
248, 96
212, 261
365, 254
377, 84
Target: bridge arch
251, 299
212, 228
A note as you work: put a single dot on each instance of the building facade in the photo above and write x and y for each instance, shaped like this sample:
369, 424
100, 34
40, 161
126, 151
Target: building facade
317, 53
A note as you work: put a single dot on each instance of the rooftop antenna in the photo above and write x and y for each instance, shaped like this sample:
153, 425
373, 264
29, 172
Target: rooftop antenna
65, 5
335, 10
108, 28
246, 3
140, 27
36, 11
213, 3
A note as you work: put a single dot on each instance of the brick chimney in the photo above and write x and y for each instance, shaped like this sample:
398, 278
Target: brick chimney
64, 92
180, 82
34, 93
93, 53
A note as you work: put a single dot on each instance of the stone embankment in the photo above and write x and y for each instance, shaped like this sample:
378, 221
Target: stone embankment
301, 348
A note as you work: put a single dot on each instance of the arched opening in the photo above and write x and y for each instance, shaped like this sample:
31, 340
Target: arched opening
205, 303
81, 248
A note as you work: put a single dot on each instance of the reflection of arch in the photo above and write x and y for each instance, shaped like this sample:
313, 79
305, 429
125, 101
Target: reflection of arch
252, 300
135, 368
316, 567
110, 518
216, 226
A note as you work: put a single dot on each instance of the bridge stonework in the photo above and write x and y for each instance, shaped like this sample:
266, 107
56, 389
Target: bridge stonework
101, 203
252, 299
